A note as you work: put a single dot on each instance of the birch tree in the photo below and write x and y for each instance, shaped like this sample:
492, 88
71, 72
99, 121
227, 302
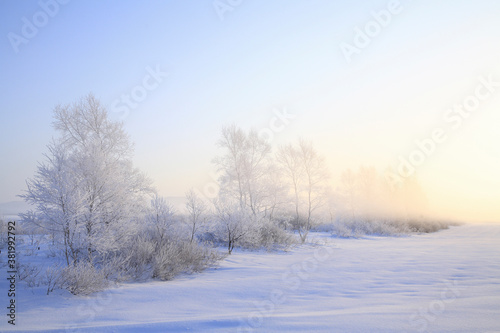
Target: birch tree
87, 189
243, 167
307, 176
196, 212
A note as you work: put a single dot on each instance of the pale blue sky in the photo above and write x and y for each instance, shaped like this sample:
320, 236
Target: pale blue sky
263, 55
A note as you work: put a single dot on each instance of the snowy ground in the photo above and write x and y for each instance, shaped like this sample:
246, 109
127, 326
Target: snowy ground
447, 281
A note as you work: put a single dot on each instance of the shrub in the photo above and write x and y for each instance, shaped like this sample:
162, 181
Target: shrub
138, 258
29, 273
361, 226
83, 279
428, 226
148, 256
237, 227
176, 257
267, 235
53, 278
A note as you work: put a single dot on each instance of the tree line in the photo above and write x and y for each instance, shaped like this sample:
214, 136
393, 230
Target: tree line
108, 222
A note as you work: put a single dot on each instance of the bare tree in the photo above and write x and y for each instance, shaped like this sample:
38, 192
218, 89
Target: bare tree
243, 167
233, 221
161, 218
306, 173
196, 212
291, 166
275, 191
316, 176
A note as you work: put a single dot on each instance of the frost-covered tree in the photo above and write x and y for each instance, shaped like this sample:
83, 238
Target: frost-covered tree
161, 217
87, 190
233, 221
275, 189
316, 176
58, 200
244, 167
306, 174
197, 212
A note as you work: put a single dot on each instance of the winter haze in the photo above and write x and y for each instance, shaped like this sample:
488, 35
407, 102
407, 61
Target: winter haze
263, 57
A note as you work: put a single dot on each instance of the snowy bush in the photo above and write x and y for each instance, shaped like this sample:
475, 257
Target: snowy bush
142, 256
150, 255
232, 222
197, 213
53, 278
83, 279
426, 226
34, 276
357, 227
234, 227
268, 235
176, 257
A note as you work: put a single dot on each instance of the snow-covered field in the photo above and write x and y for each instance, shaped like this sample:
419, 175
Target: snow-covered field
448, 281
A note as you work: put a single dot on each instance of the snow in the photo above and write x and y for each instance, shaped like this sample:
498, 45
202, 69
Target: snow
448, 281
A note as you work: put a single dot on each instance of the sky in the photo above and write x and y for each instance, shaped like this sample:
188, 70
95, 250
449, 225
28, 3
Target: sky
399, 84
